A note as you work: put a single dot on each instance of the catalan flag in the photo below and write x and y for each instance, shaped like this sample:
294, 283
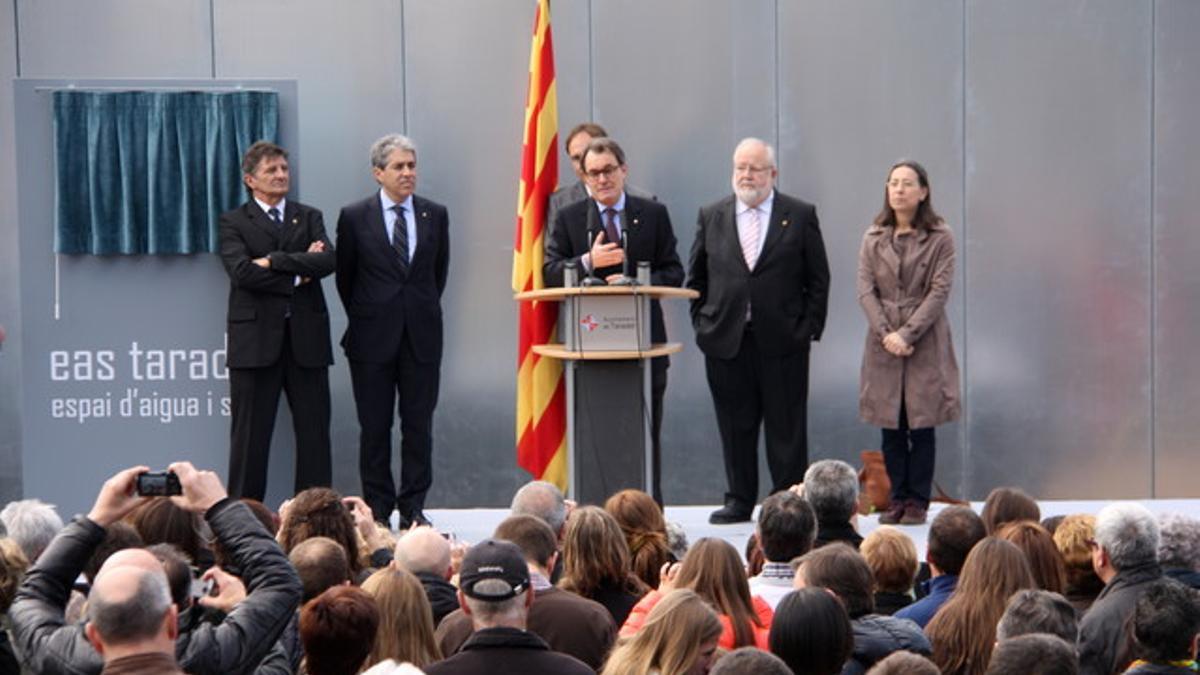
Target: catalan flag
541, 392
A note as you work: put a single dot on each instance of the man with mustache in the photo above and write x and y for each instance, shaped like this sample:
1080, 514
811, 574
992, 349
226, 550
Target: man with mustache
758, 262
392, 262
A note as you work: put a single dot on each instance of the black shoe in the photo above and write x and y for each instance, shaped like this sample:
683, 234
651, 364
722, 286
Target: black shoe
731, 513
419, 519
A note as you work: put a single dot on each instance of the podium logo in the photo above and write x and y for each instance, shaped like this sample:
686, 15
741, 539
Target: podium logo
589, 322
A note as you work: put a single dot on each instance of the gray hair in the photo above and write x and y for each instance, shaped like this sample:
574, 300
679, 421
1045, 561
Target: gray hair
133, 618
384, 147
31, 523
831, 487
1036, 611
752, 140
543, 501
1129, 533
1180, 541
750, 661
677, 539
485, 613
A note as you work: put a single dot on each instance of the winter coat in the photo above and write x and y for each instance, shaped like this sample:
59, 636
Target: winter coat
909, 296
876, 636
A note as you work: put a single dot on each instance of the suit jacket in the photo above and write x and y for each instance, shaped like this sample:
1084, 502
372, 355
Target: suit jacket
788, 288
565, 196
261, 298
649, 236
382, 300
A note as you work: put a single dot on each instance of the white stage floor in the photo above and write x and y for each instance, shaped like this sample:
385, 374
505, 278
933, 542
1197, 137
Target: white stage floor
473, 525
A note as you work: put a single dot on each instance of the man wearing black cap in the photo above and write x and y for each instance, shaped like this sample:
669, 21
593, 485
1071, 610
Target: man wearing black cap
496, 592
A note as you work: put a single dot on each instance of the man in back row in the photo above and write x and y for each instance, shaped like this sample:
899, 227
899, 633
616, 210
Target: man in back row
580, 136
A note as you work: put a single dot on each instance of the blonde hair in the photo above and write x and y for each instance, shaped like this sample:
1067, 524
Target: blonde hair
713, 568
12, 569
1073, 537
405, 619
670, 640
892, 557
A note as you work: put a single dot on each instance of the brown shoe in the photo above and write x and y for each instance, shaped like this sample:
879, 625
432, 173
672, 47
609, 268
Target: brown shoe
893, 515
914, 514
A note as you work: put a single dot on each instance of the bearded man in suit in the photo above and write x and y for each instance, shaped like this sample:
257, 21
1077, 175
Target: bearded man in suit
758, 262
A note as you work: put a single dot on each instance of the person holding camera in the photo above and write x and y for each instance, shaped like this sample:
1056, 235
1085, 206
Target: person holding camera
235, 645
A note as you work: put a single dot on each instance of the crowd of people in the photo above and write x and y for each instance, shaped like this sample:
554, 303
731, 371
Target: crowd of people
208, 584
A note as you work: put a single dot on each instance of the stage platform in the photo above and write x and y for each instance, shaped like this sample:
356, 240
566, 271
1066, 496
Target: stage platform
472, 525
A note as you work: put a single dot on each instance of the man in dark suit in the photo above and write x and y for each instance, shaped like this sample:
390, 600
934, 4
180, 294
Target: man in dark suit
588, 233
392, 260
759, 264
276, 251
580, 136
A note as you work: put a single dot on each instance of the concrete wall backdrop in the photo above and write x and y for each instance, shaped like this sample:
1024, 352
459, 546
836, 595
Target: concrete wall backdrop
1059, 136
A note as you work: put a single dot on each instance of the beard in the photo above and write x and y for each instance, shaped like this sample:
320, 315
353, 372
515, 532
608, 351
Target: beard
750, 196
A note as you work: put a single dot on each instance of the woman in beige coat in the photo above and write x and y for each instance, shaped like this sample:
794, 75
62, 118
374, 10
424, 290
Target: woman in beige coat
909, 373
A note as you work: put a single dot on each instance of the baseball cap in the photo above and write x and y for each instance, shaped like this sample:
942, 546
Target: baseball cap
493, 570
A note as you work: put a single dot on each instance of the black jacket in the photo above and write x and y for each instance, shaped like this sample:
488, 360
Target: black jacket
1105, 638
260, 299
876, 636
443, 596
500, 651
236, 645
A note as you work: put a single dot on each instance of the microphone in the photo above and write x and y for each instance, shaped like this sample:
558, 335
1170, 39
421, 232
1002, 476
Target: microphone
626, 278
592, 279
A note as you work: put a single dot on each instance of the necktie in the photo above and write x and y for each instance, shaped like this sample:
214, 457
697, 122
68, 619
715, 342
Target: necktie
400, 235
749, 237
275, 216
610, 227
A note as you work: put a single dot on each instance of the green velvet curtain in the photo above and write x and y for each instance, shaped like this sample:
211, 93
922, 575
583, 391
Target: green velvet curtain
148, 172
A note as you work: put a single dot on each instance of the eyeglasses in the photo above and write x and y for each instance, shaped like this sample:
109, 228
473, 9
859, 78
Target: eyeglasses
606, 172
751, 169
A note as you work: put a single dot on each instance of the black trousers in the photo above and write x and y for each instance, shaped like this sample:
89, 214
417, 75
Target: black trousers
752, 389
909, 456
658, 387
409, 387
254, 400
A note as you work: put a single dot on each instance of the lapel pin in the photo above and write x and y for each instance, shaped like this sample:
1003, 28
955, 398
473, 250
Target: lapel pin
295, 221
635, 221
784, 223
424, 214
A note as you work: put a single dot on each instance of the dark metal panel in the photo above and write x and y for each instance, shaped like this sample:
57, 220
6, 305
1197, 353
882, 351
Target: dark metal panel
1176, 247
1058, 247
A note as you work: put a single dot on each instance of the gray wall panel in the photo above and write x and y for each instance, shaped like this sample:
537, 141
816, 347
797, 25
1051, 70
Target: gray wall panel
679, 140
466, 83
571, 29
1058, 194
116, 38
862, 85
10, 273
1177, 247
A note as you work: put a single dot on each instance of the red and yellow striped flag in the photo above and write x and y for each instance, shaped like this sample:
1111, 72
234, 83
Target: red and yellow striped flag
541, 392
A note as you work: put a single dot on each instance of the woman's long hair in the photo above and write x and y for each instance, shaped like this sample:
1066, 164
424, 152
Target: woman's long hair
319, 512
964, 629
405, 619
670, 640
1045, 561
925, 218
641, 520
811, 632
713, 568
596, 555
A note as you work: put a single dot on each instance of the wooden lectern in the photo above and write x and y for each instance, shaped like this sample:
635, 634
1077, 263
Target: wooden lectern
606, 352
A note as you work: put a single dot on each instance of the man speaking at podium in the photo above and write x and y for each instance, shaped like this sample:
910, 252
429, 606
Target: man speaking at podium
589, 233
